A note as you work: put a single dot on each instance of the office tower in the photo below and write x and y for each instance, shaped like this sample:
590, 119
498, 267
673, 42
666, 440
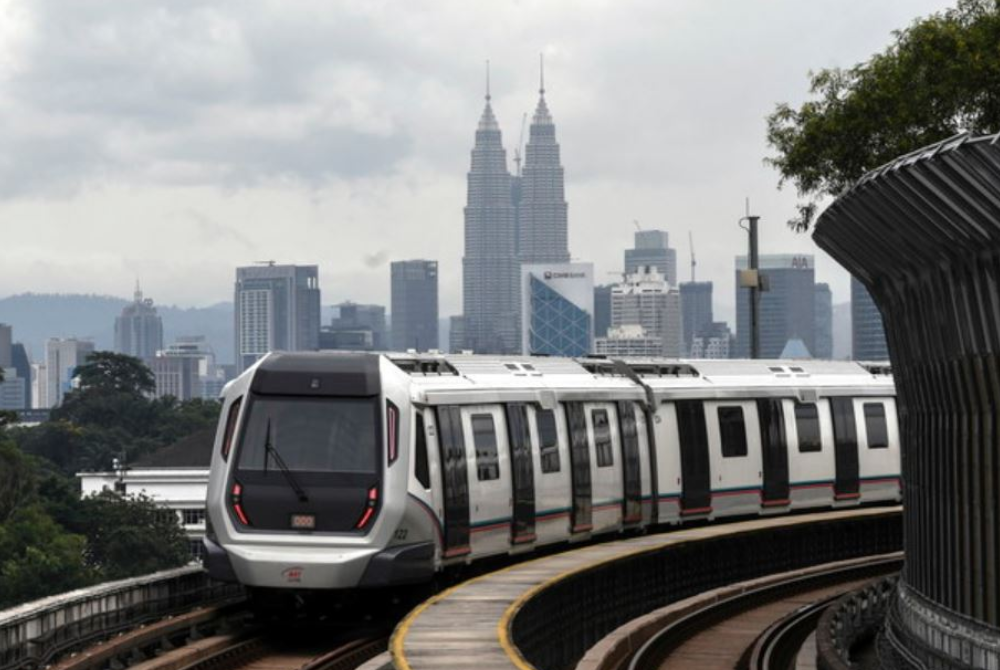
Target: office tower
414, 305
277, 309
6, 346
645, 298
490, 279
602, 310
62, 358
139, 329
356, 328
696, 305
187, 369
787, 307
15, 387
456, 334
542, 212
628, 340
652, 247
713, 340
557, 301
824, 322
867, 332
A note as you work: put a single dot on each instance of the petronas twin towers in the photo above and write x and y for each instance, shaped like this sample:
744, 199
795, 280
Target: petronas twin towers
509, 221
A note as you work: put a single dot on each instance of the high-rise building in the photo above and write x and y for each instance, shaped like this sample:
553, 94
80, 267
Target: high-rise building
628, 340
652, 247
277, 309
62, 358
557, 317
456, 334
15, 387
542, 211
824, 322
867, 332
712, 340
187, 369
356, 327
415, 305
490, 278
696, 305
6, 346
645, 298
602, 310
787, 307
139, 329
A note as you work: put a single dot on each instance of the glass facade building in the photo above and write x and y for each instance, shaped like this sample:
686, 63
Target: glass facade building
558, 309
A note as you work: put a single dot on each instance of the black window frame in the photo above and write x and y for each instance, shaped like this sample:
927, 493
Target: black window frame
884, 428
603, 449
732, 431
816, 446
548, 454
487, 464
421, 464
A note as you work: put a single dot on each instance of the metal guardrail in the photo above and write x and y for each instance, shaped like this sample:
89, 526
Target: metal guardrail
855, 618
554, 629
33, 634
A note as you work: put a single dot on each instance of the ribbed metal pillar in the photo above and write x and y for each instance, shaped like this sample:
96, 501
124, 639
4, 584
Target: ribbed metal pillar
923, 234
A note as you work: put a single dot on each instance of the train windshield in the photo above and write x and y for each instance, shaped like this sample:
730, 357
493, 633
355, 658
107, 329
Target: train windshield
319, 435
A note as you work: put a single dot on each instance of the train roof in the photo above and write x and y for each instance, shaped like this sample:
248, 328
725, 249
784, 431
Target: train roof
448, 374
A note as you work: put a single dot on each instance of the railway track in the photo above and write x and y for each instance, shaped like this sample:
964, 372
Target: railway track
725, 634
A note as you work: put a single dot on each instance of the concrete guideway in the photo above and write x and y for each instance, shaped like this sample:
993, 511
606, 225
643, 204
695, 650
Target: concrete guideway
476, 624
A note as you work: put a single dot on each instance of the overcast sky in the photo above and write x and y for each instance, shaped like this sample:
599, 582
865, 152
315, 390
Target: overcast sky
175, 140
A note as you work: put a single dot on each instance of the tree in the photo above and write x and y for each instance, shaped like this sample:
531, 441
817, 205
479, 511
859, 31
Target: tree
109, 373
131, 536
17, 480
940, 77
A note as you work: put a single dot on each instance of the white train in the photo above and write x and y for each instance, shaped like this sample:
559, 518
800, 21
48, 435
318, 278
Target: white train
338, 471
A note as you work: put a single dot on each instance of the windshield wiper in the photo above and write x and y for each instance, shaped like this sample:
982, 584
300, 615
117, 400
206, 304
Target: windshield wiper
270, 451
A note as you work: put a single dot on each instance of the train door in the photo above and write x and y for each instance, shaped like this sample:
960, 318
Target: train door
489, 467
580, 480
734, 456
878, 444
553, 493
696, 493
631, 467
454, 481
522, 474
845, 444
774, 452
810, 441
602, 422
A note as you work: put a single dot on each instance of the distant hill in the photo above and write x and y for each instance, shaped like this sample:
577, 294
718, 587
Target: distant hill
36, 317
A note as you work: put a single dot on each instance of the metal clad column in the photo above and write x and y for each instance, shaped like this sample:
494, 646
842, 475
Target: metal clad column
923, 235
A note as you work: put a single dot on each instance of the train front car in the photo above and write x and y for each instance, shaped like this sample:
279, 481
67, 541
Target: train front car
308, 479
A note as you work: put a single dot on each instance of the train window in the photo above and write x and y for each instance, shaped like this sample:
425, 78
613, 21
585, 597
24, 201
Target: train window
548, 438
875, 426
602, 438
733, 432
807, 426
484, 434
420, 467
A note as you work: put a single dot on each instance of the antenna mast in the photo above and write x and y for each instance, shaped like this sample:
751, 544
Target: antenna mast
520, 145
694, 263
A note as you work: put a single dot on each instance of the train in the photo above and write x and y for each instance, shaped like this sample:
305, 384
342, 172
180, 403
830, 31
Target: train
344, 471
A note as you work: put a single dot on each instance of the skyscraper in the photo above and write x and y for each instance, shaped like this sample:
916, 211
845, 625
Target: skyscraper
14, 387
867, 332
602, 310
557, 301
139, 329
652, 247
645, 298
696, 305
542, 218
490, 279
62, 358
787, 308
277, 309
414, 305
824, 322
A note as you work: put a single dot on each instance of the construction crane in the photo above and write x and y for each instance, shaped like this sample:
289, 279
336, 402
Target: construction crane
694, 263
637, 226
520, 144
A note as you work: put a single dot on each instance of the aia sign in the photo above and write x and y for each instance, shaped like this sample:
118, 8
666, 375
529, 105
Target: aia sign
800, 263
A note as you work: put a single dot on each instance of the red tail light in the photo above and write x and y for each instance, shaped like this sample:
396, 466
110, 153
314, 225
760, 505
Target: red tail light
370, 506
392, 429
227, 439
235, 498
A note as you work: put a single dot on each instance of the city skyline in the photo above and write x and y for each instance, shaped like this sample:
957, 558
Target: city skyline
628, 144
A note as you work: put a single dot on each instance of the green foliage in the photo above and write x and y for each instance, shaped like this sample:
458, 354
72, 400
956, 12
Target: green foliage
940, 76
38, 558
110, 373
131, 536
17, 480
